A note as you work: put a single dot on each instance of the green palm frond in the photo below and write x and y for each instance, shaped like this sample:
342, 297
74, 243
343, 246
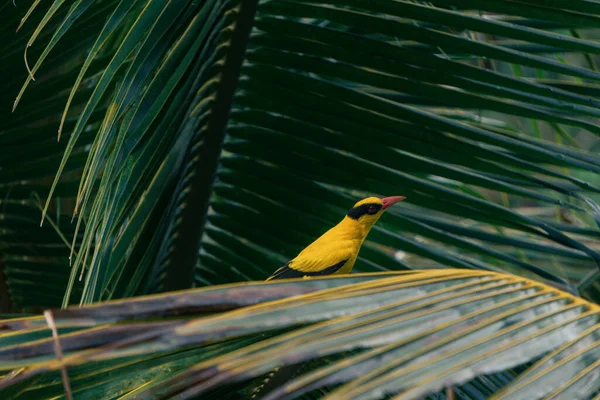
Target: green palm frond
413, 334
331, 102
343, 105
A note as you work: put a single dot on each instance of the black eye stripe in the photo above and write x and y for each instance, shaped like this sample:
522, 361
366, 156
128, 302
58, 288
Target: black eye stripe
363, 209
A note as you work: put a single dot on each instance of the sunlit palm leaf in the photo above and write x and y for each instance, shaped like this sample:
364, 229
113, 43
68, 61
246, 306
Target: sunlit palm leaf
417, 332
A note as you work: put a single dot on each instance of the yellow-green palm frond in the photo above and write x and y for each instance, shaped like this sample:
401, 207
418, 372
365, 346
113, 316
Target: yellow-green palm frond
408, 334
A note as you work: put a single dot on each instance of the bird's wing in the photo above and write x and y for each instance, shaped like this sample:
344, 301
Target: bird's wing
288, 271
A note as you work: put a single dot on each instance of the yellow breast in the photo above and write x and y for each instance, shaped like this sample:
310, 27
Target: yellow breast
340, 243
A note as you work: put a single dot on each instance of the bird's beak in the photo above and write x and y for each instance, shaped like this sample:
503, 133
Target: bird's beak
390, 201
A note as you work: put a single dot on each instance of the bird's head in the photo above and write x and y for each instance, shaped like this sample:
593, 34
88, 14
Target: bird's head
367, 211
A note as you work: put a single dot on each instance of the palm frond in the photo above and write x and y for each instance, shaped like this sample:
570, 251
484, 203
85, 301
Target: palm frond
412, 333
337, 102
333, 102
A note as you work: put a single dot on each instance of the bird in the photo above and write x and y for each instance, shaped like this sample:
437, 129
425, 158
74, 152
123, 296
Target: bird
335, 251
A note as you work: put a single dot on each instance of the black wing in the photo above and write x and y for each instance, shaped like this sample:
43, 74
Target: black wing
286, 272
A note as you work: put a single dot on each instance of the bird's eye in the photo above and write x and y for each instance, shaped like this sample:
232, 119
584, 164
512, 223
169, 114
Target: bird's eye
372, 210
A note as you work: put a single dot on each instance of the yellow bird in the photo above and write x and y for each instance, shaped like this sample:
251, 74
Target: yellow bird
335, 252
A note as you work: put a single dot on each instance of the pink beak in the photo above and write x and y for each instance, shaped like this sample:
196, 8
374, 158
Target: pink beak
390, 201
